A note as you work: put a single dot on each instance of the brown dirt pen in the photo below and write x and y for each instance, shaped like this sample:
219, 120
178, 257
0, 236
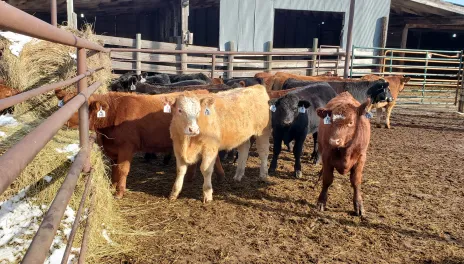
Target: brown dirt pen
413, 195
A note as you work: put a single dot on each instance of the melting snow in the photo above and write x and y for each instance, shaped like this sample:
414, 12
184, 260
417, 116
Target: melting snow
73, 55
20, 218
73, 148
2, 134
17, 41
8, 120
106, 236
48, 178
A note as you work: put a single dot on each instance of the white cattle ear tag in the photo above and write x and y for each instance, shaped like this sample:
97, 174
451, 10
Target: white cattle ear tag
101, 113
327, 120
133, 87
60, 103
143, 80
207, 112
167, 108
273, 108
369, 115
301, 109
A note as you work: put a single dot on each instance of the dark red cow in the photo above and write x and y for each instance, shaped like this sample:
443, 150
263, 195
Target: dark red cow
344, 134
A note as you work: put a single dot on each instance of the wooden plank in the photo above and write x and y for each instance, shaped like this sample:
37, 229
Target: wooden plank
131, 66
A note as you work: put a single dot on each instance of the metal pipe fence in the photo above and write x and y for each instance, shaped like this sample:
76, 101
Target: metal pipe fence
16, 159
435, 75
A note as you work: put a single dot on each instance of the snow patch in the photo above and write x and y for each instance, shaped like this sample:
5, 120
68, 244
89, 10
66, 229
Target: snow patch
19, 219
73, 55
48, 178
17, 41
8, 120
3, 134
73, 148
106, 236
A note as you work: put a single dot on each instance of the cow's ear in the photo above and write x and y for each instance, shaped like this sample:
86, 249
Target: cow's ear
169, 100
405, 80
242, 84
323, 112
362, 109
304, 103
97, 105
272, 101
207, 101
60, 94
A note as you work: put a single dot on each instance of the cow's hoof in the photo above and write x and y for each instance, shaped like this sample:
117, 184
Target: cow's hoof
298, 174
237, 179
118, 195
271, 171
388, 127
358, 210
207, 196
172, 197
264, 179
321, 206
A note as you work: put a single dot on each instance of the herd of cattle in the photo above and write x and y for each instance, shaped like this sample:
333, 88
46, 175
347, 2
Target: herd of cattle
197, 118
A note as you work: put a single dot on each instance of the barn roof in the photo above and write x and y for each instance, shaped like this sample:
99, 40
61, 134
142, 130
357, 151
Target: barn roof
425, 8
102, 6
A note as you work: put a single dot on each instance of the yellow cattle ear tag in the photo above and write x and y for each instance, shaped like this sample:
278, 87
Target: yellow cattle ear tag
327, 120
101, 113
301, 109
133, 87
207, 112
273, 108
60, 103
167, 108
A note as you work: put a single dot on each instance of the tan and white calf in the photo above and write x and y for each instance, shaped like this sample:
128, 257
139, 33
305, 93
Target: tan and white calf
203, 125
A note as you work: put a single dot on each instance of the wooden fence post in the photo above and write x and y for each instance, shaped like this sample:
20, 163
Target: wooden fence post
269, 57
312, 63
383, 43
230, 60
138, 45
182, 58
213, 65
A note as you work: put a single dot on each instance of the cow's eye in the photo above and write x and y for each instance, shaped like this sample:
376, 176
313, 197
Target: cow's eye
351, 123
180, 111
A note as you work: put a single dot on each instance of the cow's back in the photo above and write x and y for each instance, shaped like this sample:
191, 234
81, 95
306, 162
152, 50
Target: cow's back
239, 114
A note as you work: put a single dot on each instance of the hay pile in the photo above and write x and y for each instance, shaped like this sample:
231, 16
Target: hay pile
43, 62
51, 163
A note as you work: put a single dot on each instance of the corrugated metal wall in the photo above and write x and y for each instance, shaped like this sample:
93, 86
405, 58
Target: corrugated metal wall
249, 23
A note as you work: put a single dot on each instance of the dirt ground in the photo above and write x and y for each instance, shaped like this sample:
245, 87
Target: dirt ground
413, 190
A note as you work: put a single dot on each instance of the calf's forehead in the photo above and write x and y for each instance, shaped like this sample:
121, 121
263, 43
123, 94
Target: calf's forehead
289, 100
190, 105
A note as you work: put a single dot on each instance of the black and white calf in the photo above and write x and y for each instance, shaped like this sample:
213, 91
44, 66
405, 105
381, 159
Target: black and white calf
294, 117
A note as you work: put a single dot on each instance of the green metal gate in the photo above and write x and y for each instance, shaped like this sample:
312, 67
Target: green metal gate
436, 75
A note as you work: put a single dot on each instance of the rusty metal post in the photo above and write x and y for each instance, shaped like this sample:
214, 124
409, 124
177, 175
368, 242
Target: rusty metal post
85, 237
230, 60
75, 225
313, 66
349, 41
213, 65
84, 109
53, 13
269, 46
461, 99
40, 246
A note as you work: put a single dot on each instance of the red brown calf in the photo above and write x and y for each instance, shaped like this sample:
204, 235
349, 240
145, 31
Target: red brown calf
344, 134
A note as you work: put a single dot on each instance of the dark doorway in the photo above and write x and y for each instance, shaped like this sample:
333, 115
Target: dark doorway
204, 24
435, 40
297, 29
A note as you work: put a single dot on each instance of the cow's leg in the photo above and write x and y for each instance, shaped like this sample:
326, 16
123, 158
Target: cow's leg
327, 179
356, 179
219, 170
315, 156
190, 174
262, 146
181, 170
123, 168
207, 167
389, 111
379, 117
290, 146
167, 158
297, 151
277, 136
242, 158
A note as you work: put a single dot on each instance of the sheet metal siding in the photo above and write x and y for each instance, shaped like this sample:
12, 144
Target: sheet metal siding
251, 32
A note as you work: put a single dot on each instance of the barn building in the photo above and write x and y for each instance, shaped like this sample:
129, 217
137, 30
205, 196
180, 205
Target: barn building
253, 24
